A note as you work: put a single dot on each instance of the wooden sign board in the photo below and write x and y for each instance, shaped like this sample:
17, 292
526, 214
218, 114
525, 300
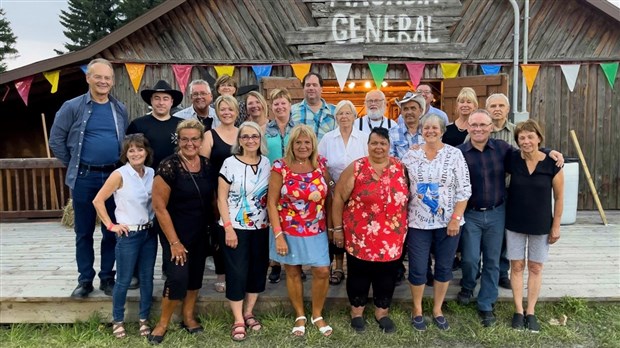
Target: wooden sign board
386, 29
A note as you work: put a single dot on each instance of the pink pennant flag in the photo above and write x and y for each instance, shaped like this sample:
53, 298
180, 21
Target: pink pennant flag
416, 71
23, 87
181, 74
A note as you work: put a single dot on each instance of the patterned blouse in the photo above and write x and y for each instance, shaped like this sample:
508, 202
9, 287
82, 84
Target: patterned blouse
302, 200
375, 217
436, 185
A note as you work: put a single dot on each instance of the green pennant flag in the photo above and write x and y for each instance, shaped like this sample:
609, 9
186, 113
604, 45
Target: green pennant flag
378, 71
610, 70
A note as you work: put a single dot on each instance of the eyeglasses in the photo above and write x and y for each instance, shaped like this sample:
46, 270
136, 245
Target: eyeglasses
424, 92
246, 137
200, 94
187, 140
479, 125
374, 101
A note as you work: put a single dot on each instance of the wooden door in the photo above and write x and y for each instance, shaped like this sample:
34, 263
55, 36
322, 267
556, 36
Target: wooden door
483, 85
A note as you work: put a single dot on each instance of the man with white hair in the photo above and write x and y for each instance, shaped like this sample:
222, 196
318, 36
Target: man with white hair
200, 92
375, 110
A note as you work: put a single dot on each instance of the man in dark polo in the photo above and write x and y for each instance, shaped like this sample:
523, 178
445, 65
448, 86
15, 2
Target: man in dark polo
86, 136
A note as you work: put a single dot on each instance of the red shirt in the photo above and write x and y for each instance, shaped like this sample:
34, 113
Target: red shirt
375, 217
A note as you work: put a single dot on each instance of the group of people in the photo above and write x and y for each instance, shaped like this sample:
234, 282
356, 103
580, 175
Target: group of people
303, 189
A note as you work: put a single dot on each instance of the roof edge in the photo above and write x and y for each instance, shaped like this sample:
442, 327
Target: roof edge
605, 6
95, 48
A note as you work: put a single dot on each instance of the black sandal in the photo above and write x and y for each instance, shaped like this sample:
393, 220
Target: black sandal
336, 277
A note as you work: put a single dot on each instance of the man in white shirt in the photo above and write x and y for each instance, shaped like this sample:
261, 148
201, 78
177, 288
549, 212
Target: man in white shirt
200, 109
375, 111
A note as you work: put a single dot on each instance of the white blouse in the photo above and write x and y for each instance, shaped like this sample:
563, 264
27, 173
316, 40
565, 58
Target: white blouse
338, 155
133, 200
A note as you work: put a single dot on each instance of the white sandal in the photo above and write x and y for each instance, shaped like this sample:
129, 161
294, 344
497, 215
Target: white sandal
325, 330
300, 329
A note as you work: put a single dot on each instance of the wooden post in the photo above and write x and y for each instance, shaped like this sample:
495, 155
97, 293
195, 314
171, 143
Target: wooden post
54, 194
588, 177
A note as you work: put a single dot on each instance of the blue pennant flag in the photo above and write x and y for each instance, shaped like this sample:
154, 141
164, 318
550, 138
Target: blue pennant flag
490, 69
84, 68
261, 71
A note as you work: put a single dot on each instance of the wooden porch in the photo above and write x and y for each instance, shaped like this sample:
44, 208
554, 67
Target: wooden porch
38, 273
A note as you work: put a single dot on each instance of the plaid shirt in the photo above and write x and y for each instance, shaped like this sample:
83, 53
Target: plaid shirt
401, 141
487, 172
321, 122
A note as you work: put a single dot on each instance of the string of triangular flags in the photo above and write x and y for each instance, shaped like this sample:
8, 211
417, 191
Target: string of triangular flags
182, 74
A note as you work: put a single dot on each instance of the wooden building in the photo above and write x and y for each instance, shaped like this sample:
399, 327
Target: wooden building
246, 33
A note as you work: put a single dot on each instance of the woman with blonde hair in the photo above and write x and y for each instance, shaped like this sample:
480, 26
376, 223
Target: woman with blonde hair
257, 109
297, 203
466, 103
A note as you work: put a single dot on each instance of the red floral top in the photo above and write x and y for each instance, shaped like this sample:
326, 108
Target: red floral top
375, 217
302, 200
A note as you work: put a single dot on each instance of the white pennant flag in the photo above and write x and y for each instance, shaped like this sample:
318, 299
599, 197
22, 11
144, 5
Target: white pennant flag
570, 72
342, 73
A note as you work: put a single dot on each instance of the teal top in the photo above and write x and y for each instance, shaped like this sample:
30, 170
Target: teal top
276, 143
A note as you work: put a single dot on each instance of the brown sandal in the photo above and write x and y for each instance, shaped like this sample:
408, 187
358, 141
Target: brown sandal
238, 332
252, 323
336, 277
145, 329
118, 330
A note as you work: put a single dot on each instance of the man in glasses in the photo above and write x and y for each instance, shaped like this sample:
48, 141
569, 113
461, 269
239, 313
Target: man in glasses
86, 136
375, 110
426, 91
201, 109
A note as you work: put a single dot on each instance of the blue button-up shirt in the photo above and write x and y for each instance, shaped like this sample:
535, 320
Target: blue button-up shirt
487, 172
401, 140
321, 122
67, 133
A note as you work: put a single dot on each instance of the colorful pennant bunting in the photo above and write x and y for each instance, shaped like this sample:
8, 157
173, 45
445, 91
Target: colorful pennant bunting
450, 70
490, 69
570, 72
224, 70
182, 74
84, 68
301, 70
378, 70
529, 73
610, 70
23, 87
261, 71
416, 71
342, 73
53, 77
135, 72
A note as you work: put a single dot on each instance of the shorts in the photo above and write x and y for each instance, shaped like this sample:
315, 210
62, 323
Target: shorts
537, 246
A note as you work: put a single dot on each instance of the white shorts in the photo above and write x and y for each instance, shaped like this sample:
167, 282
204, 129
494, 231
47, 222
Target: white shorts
537, 246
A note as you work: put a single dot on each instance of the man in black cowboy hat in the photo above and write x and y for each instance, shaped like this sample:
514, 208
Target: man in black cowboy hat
159, 127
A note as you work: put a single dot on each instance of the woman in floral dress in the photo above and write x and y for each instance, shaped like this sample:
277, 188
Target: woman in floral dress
370, 210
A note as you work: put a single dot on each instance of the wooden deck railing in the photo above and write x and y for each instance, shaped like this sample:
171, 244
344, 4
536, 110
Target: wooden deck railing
32, 188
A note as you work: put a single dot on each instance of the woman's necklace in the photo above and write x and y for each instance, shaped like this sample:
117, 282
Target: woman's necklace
190, 164
459, 128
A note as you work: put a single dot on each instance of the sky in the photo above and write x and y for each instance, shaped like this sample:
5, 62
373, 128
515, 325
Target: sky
37, 26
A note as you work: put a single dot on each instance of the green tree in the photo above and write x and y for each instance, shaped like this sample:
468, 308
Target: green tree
7, 40
132, 9
87, 21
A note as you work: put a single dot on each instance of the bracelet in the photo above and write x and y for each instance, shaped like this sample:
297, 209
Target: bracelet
277, 229
338, 227
456, 217
110, 226
278, 235
340, 230
227, 224
177, 242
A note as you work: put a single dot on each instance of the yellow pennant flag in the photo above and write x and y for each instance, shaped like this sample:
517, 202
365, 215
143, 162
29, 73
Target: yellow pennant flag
450, 70
224, 70
301, 70
529, 73
53, 77
135, 74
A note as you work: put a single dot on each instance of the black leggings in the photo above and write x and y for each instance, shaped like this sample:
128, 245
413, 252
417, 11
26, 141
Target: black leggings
362, 274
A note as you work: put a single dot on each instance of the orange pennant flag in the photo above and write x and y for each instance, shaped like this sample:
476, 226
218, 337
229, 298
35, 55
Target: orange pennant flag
450, 70
301, 70
53, 77
135, 74
529, 73
224, 70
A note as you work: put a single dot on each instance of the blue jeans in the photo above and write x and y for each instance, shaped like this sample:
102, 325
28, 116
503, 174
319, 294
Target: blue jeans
138, 248
86, 187
483, 233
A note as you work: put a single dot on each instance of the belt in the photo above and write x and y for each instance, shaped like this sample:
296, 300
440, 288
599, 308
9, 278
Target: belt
142, 227
487, 208
101, 168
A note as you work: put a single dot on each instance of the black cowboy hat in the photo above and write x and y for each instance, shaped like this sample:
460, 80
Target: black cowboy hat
162, 87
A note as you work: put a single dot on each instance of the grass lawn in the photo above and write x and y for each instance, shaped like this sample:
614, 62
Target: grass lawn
589, 325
